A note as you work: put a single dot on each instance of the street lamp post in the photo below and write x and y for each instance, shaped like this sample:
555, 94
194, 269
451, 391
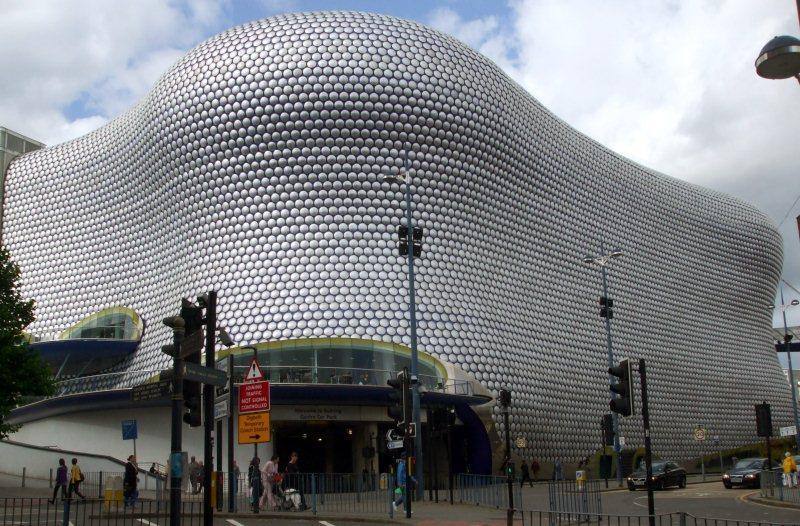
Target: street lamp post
786, 339
602, 261
405, 177
780, 57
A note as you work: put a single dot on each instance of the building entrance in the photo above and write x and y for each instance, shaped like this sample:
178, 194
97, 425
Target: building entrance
322, 447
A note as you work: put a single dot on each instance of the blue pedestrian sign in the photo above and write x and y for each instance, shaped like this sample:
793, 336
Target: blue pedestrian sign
129, 431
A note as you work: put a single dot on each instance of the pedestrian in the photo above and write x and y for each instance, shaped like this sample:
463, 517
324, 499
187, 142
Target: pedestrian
237, 486
61, 480
194, 469
201, 476
268, 480
75, 478
535, 467
254, 480
293, 479
400, 490
130, 482
558, 470
524, 474
789, 470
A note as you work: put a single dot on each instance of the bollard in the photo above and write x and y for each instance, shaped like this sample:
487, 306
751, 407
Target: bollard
23, 476
65, 516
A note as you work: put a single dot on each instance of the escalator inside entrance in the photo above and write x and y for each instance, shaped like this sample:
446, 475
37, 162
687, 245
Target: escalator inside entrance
322, 447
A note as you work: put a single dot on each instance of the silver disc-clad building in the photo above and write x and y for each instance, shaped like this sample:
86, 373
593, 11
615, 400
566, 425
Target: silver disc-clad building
254, 167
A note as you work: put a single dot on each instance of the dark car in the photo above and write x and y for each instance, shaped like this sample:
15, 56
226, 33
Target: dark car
747, 473
665, 473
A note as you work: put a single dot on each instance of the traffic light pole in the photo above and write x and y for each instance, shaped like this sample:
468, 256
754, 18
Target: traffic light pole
233, 484
617, 448
648, 453
176, 423
208, 408
786, 340
412, 315
509, 470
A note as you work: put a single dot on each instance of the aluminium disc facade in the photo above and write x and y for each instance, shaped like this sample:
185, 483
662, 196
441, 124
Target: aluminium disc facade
255, 165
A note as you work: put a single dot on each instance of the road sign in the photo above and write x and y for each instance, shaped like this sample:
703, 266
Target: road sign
254, 397
621, 441
788, 431
394, 444
254, 373
206, 375
700, 434
220, 409
129, 430
152, 391
411, 430
521, 442
254, 428
193, 343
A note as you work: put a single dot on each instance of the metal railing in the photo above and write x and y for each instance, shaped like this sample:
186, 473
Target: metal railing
90, 512
569, 496
779, 486
484, 490
315, 493
311, 374
554, 518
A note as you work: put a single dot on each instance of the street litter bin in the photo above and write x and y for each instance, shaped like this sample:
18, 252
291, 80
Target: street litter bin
113, 491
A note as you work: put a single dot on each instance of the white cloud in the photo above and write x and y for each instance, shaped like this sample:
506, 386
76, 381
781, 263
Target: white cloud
105, 54
669, 84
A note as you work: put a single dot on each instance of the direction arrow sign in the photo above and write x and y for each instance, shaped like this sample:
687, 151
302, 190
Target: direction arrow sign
193, 343
151, 391
205, 375
254, 397
254, 428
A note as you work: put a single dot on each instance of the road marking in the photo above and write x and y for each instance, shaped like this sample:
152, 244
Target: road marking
235, 523
325, 523
145, 521
637, 504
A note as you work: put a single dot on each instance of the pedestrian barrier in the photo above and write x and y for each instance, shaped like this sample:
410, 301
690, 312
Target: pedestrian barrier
575, 496
317, 493
775, 485
484, 490
90, 512
554, 518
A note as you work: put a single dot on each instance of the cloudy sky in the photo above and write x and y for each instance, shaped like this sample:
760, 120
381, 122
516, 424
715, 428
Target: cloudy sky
668, 83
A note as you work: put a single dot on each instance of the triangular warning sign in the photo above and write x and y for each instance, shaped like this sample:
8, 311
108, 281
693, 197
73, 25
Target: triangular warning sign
254, 374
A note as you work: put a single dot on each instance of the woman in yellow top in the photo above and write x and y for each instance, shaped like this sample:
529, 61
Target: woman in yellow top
789, 471
75, 479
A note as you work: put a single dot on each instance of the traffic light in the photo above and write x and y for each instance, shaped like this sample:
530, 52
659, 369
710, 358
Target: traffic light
623, 387
607, 425
416, 239
606, 307
400, 401
764, 420
193, 317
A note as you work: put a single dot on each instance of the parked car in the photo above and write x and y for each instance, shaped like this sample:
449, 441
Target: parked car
665, 473
747, 473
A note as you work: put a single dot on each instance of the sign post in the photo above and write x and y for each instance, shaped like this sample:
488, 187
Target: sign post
700, 435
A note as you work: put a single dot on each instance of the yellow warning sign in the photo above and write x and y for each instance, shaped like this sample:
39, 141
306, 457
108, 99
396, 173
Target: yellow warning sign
254, 428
